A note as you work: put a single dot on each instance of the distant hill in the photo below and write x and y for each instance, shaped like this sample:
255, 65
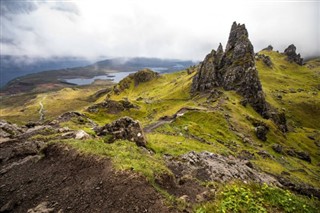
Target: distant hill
23, 77
14, 66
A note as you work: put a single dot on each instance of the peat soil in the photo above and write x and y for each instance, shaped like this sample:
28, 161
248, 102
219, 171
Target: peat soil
60, 179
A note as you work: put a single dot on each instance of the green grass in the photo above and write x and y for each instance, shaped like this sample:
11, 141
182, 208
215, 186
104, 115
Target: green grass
125, 155
253, 198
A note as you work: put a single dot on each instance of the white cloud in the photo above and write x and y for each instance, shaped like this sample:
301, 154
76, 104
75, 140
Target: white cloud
159, 28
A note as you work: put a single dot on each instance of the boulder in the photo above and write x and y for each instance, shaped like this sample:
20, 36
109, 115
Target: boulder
299, 154
81, 135
124, 128
261, 132
206, 166
292, 56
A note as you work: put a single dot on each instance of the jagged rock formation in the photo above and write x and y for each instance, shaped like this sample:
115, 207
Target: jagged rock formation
124, 128
265, 59
292, 56
268, 48
233, 69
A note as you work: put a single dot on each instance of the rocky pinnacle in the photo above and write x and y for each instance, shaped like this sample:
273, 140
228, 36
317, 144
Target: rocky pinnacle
233, 69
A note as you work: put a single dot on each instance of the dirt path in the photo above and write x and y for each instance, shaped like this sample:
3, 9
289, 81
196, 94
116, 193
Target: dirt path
71, 182
41, 113
181, 112
167, 119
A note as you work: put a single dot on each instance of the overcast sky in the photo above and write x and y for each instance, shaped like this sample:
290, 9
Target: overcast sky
181, 29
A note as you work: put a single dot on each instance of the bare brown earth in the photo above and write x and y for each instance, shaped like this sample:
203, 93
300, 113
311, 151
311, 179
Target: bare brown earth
71, 182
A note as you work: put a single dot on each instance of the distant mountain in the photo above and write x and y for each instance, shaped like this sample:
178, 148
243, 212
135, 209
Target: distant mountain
15, 66
24, 74
137, 63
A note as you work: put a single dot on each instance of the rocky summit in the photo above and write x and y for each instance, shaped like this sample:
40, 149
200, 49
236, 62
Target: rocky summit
233, 69
292, 56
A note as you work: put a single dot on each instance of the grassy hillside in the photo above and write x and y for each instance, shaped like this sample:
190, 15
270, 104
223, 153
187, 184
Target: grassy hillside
220, 125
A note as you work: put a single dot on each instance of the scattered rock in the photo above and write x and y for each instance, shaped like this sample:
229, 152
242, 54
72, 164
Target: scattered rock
292, 56
264, 154
265, 59
112, 107
299, 154
124, 128
246, 155
75, 117
277, 148
206, 166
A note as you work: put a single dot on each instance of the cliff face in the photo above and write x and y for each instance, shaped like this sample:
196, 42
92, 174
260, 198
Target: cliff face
233, 69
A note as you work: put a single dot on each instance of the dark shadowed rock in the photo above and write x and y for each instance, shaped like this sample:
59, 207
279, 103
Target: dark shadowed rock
292, 56
261, 132
268, 48
300, 188
299, 154
124, 128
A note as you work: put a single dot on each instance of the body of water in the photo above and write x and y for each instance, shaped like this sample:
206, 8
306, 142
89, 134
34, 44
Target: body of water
115, 77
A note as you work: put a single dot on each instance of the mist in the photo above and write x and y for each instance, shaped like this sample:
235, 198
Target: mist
163, 29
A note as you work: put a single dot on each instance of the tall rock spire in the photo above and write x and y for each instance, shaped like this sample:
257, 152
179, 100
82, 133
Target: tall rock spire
233, 69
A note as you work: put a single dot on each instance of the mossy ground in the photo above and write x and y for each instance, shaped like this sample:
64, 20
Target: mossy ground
220, 126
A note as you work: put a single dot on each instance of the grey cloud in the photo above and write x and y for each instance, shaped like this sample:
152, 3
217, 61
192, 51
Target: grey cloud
153, 29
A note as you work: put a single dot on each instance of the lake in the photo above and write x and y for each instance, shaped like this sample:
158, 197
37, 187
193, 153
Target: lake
115, 77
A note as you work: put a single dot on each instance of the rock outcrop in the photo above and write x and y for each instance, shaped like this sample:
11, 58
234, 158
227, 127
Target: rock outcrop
292, 56
268, 48
233, 69
265, 59
139, 77
206, 166
8, 130
112, 107
124, 128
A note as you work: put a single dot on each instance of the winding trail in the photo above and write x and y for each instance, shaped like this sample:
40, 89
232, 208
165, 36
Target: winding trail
180, 112
41, 113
